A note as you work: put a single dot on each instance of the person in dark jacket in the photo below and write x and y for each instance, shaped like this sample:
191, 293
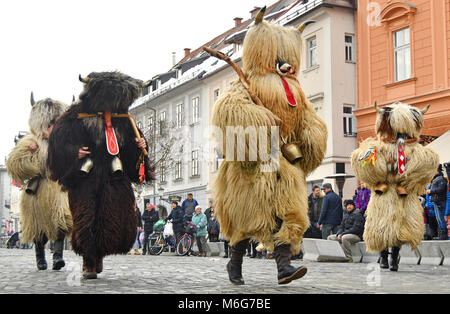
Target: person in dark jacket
438, 192
331, 215
315, 200
149, 217
351, 229
213, 229
188, 207
177, 215
209, 210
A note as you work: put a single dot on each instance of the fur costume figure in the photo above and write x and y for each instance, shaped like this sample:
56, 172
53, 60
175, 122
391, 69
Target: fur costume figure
268, 207
397, 169
94, 154
44, 207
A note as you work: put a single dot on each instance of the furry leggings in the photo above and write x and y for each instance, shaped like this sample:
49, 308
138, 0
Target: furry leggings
282, 253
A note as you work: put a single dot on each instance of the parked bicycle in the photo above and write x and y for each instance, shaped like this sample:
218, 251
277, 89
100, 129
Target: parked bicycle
159, 241
187, 240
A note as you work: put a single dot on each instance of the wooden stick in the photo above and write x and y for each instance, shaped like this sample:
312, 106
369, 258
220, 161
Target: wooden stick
239, 72
136, 132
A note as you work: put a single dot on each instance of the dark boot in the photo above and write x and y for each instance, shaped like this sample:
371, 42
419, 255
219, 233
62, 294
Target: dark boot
234, 266
226, 248
89, 271
235, 274
99, 265
40, 256
287, 272
394, 258
58, 248
443, 234
384, 263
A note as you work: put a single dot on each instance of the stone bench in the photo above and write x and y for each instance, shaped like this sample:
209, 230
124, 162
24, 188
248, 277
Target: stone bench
445, 250
323, 251
431, 253
408, 256
368, 257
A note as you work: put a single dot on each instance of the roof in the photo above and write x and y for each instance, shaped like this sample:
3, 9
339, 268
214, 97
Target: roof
218, 43
198, 64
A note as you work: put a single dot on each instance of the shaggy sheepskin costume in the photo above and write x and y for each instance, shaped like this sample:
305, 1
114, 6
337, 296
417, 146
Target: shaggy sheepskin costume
45, 212
268, 207
394, 212
101, 202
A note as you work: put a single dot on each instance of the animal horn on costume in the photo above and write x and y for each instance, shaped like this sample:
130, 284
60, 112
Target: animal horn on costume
424, 111
73, 98
146, 84
83, 79
260, 16
302, 27
32, 100
377, 109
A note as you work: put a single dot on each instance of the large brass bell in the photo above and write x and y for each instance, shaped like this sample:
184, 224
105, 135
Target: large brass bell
291, 151
86, 167
32, 186
116, 165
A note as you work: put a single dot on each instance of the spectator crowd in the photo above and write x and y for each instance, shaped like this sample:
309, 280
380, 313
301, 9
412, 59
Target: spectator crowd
330, 217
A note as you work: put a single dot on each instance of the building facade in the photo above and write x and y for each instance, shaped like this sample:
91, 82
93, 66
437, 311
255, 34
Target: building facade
403, 51
5, 202
328, 77
190, 89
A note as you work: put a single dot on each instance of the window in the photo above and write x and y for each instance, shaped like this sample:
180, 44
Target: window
179, 115
195, 109
162, 123
349, 121
312, 52
178, 170
350, 48
150, 124
194, 163
216, 94
162, 172
402, 55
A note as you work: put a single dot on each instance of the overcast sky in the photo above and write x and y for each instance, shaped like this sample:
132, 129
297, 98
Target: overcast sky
45, 44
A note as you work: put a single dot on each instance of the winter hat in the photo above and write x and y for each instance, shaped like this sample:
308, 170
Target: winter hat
198, 206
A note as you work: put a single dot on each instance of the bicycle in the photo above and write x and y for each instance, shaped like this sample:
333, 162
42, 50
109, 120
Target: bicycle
186, 241
158, 241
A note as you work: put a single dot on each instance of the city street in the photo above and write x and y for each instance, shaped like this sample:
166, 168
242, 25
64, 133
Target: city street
169, 274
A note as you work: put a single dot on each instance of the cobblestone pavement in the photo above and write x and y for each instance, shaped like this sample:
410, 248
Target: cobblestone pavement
168, 273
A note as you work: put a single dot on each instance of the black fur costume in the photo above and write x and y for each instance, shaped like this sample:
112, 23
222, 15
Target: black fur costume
102, 205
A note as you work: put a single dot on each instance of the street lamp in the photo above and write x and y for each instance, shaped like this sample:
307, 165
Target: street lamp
340, 181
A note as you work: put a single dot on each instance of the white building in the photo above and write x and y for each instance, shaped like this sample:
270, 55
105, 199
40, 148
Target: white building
185, 96
5, 201
328, 77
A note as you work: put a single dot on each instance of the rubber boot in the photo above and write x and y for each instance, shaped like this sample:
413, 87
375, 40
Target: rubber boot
394, 258
384, 263
58, 261
287, 272
40, 256
234, 266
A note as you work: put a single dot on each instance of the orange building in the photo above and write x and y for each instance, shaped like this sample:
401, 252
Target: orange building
403, 54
